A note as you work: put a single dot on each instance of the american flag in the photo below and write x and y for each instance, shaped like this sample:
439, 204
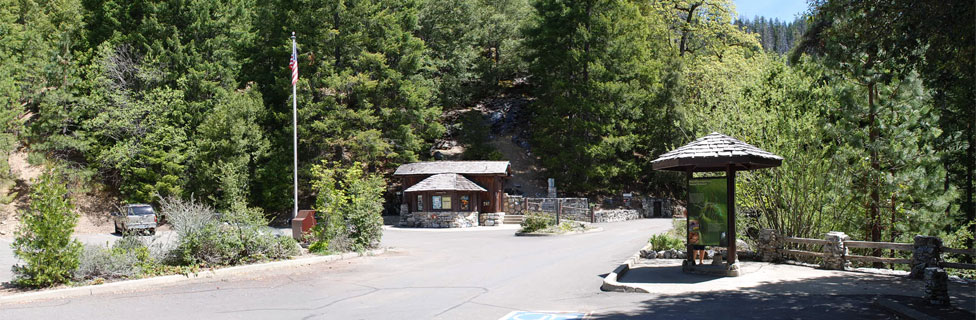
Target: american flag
293, 64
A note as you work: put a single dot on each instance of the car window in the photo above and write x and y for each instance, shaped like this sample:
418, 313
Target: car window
141, 211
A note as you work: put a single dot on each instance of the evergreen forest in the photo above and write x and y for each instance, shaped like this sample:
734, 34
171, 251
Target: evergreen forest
871, 102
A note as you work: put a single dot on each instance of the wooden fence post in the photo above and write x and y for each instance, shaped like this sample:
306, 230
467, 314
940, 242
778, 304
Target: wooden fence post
559, 209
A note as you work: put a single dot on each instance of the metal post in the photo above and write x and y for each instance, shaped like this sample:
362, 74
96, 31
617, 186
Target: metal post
730, 236
294, 131
690, 252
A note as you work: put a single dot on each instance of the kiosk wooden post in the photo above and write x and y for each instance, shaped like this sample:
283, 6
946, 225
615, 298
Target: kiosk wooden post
717, 152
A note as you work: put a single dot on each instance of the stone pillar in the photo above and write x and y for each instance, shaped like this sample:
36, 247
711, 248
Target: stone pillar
936, 286
835, 252
769, 245
404, 214
927, 253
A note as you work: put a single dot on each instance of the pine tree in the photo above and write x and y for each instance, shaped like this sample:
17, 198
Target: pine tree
864, 41
44, 240
595, 68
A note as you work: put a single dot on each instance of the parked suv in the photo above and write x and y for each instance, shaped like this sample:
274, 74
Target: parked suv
135, 217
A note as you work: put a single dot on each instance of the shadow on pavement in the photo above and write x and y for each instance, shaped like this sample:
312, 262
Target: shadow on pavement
652, 275
831, 298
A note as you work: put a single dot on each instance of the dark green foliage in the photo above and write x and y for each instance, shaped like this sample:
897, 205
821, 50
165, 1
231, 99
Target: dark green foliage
229, 142
348, 207
474, 135
597, 71
44, 242
159, 98
363, 91
774, 35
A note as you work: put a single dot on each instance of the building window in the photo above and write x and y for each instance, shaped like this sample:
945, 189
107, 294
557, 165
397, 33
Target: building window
420, 202
465, 203
446, 203
435, 202
440, 203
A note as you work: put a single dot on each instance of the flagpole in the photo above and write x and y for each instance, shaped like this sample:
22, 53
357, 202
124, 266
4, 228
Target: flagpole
294, 130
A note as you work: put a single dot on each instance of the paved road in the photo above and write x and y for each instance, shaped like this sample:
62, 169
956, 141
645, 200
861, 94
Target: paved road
435, 274
7, 258
161, 238
481, 274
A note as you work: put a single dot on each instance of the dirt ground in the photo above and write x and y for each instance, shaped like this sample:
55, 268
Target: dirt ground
92, 206
525, 167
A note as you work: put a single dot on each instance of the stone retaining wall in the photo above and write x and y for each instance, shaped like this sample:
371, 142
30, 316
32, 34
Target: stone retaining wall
615, 215
440, 219
514, 205
491, 219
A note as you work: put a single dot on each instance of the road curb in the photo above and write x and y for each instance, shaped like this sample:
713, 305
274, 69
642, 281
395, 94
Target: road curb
209, 275
524, 234
901, 310
610, 282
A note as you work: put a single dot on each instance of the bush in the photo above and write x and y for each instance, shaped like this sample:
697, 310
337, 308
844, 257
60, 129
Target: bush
666, 242
44, 239
127, 258
239, 236
679, 228
186, 217
349, 205
536, 221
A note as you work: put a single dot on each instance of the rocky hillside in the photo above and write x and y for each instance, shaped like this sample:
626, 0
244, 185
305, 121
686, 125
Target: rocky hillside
505, 128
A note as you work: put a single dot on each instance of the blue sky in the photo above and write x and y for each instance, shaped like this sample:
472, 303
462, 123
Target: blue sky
784, 10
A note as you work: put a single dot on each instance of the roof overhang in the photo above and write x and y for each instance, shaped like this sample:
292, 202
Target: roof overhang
738, 163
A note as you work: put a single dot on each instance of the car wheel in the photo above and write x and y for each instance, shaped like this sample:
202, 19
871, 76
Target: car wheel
152, 231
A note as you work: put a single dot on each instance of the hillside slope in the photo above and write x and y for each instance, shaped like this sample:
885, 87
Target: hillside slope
92, 203
508, 132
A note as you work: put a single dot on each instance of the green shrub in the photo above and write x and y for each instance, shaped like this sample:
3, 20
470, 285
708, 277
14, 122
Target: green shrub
36, 158
536, 221
44, 240
127, 258
666, 242
348, 206
679, 228
239, 236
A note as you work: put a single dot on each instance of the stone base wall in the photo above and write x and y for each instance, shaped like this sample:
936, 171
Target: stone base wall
491, 219
668, 208
514, 205
440, 219
615, 215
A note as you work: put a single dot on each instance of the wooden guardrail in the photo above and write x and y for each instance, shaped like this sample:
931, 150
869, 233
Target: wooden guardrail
879, 245
848, 244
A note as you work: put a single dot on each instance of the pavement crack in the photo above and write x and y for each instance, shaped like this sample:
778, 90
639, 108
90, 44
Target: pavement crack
370, 291
483, 291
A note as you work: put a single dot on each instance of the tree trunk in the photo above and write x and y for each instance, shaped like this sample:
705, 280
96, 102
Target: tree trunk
970, 163
891, 228
683, 46
873, 134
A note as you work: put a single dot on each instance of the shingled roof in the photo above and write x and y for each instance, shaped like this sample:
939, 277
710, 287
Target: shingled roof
445, 182
715, 152
461, 167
